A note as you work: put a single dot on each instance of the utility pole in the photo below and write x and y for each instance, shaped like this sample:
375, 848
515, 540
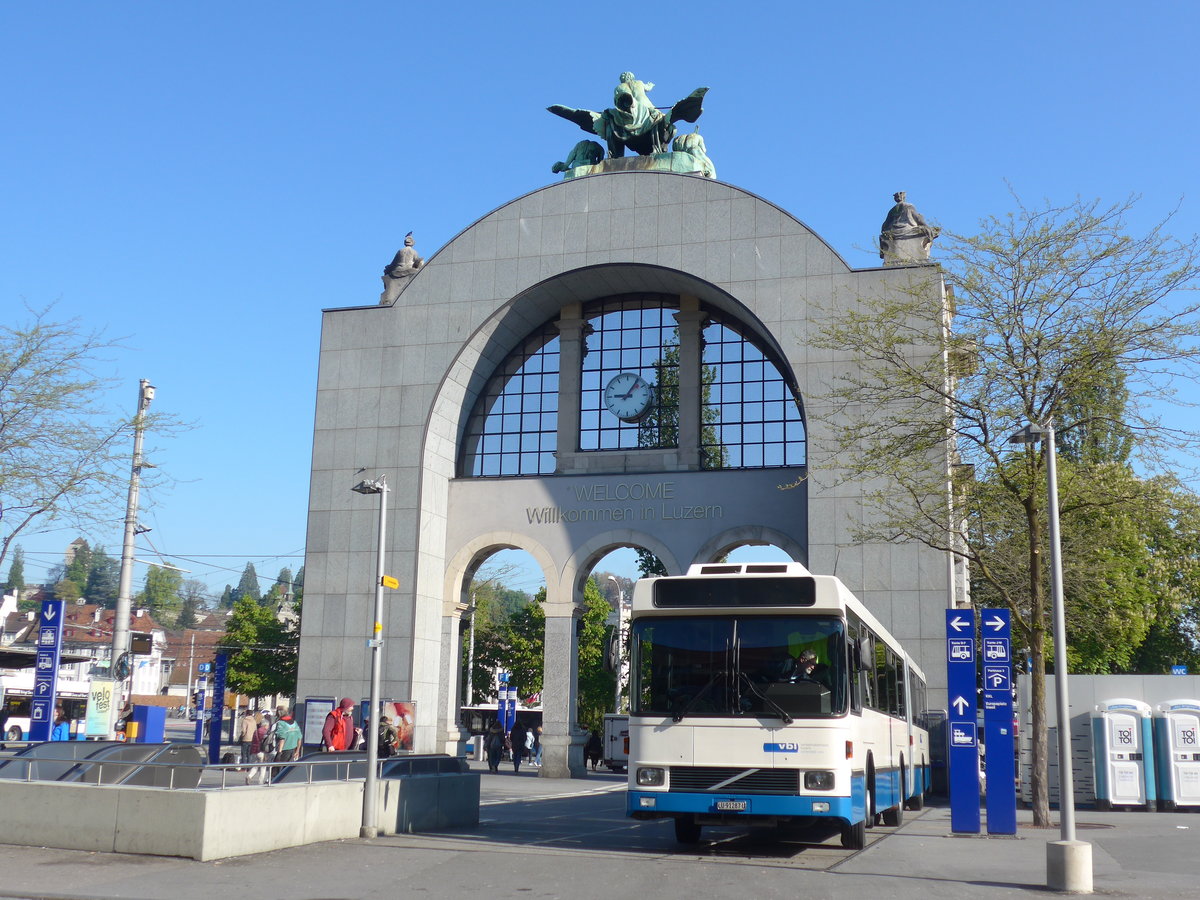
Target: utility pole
191, 668
120, 643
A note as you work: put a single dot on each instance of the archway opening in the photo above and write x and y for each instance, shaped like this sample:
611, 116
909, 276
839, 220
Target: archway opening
756, 553
503, 642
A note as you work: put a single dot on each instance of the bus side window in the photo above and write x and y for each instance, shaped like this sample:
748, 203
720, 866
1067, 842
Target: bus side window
855, 675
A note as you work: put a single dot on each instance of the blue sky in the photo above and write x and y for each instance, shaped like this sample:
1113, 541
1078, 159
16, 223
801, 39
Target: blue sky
205, 178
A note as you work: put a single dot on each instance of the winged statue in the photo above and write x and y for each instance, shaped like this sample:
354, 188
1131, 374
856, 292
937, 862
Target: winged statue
633, 121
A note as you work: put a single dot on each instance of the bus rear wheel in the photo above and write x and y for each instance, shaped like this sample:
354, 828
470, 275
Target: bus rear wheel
14, 733
686, 830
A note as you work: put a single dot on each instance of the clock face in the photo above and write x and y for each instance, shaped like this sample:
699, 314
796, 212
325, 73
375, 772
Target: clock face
628, 396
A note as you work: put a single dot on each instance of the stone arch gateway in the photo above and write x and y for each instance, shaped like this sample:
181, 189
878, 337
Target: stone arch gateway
406, 391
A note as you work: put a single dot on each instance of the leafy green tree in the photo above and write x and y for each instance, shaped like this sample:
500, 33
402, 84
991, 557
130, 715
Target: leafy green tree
1046, 302
262, 650
16, 572
162, 593
67, 591
596, 684
515, 644
280, 590
248, 585
79, 566
648, 564
64, 456
227, 598
103, 579
193, 598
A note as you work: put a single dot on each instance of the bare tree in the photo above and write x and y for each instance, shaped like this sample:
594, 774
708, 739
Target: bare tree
1042, 306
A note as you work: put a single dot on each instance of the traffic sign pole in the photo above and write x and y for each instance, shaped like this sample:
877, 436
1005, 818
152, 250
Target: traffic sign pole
996, 630
218, 708
45, 681
961, 721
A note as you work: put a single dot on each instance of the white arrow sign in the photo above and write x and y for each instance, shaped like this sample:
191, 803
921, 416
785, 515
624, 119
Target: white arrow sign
960, 704
958, 623
996, 622
48, 613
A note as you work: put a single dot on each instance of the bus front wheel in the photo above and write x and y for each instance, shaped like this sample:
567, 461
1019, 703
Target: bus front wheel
854, 837
14, 733
894, 816
686, 830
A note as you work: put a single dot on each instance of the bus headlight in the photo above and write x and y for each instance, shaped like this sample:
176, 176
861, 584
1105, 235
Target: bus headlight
650, 776
818, 781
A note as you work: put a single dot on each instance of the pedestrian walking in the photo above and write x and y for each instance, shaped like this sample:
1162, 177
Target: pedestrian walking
493, 744
517, 739
287, 736
537, 746
257, 753
530, 743
246, 736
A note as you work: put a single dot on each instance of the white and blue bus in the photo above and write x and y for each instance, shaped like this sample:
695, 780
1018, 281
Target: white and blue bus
16, 701
762, 694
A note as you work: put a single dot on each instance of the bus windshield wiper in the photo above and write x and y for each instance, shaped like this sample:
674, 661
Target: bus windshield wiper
767, 701
687, 707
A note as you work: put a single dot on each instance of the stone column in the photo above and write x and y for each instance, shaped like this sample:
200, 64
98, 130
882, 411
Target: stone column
691, 322
452, 736
562, 739
571, 329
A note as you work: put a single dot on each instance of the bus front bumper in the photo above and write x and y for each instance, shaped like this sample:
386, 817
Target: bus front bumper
732, 807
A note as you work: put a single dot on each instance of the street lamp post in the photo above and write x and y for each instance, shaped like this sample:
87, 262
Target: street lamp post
622, 625
370, 827
1068, 861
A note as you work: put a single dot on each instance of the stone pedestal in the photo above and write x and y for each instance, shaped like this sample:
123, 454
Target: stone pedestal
1069, 866
674, 161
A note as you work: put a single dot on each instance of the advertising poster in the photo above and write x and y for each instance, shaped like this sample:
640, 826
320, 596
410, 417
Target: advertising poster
403, 714
100, 707
315, 711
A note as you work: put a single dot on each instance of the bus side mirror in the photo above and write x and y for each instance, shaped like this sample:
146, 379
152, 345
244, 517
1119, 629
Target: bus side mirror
862, 653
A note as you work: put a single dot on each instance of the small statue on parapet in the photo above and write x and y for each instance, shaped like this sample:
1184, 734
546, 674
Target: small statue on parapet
396, 273
905, 236
633, 121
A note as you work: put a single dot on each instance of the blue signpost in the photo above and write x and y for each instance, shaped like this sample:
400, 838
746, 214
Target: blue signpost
218, 708
996, 631
961, 721
45, 676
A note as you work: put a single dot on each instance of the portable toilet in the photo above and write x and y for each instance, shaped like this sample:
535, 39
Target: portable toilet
1123, 755
1177, 752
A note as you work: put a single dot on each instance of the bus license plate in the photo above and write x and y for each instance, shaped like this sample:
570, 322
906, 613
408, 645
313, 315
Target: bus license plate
731, 806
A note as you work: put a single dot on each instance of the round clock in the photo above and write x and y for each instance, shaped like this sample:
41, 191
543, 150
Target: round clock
628, 396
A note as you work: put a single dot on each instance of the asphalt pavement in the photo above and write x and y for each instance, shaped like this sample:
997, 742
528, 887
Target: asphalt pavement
546, 838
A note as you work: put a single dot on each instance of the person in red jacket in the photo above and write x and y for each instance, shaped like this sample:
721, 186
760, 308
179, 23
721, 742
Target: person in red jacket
338, 732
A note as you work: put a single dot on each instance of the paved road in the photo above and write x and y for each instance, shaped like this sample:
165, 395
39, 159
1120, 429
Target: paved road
542, 838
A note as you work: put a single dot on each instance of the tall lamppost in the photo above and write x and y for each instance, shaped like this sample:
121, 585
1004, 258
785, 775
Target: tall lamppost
370, 827
1068, 861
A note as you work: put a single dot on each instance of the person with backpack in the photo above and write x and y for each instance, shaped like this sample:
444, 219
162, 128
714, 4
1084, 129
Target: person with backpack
388, 738
338, 732
287, 736
257, 755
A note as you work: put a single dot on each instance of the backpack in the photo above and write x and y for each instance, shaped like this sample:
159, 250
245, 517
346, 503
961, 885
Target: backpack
387, 741
270, 740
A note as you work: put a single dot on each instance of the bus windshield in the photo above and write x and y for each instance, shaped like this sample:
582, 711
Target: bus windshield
781, 667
